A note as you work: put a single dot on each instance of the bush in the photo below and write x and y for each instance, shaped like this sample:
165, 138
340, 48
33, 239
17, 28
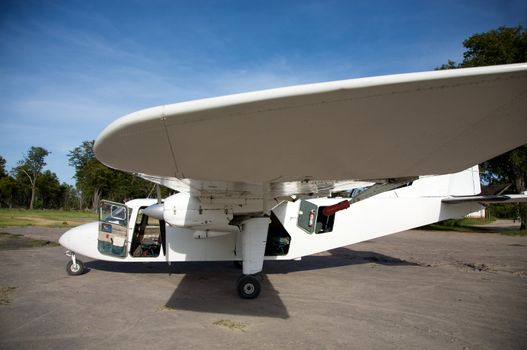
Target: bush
503, 210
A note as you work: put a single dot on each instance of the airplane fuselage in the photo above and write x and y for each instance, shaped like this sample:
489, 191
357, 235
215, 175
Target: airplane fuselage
295, 229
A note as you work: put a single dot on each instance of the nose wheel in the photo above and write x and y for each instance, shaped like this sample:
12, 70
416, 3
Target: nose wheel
249, 286
74, 267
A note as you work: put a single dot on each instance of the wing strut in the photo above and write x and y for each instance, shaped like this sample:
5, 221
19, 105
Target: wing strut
390, 184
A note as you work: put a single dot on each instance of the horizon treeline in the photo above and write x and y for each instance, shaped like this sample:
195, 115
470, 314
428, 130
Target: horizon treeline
29, 185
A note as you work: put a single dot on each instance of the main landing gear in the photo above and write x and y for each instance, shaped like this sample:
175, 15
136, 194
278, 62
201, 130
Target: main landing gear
253, 239
249, 286
74, 267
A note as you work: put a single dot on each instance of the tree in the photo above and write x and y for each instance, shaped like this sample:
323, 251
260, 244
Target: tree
500, 46
51, 192
3, 173
31, 166
91, 175
510, 167
8, 187
504, 45
70, 197
95, 180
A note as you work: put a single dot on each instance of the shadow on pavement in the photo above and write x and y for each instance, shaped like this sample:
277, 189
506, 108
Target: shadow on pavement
211, 286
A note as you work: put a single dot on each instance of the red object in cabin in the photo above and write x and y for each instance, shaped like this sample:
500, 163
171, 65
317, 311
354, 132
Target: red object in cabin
332, 209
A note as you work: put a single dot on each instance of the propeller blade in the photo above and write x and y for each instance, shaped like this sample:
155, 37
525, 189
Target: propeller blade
163, 235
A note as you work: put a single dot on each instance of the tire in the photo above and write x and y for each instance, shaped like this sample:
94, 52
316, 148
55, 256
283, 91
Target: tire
75, 270
249, 287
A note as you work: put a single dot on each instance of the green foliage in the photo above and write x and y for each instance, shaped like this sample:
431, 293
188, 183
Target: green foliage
8, 191
3, 173
28, 185
449, 65
95, 180
31, 166
517, 233
50, 190
462, 225
503, 210
500, 46
32, 163
510, 167
16, 189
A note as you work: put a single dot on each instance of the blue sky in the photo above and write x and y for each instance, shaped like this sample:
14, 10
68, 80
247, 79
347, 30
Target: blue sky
69, 68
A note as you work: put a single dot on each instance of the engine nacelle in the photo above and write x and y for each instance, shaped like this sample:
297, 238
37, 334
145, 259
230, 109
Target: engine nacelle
183, 210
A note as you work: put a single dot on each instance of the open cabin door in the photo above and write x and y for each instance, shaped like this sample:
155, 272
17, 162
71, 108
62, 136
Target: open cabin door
147, 236
113, 228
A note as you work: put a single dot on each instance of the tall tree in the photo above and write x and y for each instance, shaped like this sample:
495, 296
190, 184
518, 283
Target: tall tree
95, 180
51, 192
7, 186
32, 166
91, 175
3, 173
500, 46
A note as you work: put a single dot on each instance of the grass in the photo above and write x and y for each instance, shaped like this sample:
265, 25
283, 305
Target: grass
45, 218
471, 225
463, 225
517, 233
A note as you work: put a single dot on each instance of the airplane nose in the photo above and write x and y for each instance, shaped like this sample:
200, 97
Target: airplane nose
81, 239
65, 239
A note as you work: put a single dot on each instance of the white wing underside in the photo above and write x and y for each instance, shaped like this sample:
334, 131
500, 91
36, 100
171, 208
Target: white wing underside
322, 138
218, 189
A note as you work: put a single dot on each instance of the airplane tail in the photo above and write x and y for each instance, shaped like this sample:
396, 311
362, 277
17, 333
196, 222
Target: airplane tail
464, 183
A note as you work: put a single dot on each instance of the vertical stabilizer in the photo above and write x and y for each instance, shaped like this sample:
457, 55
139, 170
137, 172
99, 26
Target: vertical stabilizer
465, 183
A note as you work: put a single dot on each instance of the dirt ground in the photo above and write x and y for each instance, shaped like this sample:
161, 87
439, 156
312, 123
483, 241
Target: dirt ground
412, 290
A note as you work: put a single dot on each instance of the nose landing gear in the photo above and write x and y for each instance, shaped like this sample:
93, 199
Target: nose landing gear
74, 267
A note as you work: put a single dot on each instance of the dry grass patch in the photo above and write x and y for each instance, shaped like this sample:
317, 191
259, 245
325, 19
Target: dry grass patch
232, 325
4, 294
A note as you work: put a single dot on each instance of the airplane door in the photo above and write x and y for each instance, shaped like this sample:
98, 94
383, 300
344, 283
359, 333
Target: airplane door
113, 226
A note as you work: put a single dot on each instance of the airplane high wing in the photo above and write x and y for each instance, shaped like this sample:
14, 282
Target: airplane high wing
362, 129
283, 173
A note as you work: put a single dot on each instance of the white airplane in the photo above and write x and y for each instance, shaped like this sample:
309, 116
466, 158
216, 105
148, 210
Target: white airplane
284, 173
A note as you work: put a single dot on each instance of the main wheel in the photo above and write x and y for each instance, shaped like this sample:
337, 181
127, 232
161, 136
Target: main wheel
75, 270
248, 287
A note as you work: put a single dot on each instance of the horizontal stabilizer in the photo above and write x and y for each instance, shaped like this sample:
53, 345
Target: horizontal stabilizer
509, 198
